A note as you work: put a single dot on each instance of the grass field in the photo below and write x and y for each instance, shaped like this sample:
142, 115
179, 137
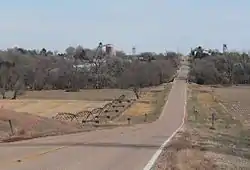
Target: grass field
27, 125
49, 108
150, 103
31, 113
48, 103
90, 94
198, 145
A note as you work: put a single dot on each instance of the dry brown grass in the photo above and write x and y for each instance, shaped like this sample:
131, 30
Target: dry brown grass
49, 102
138, 109
49, 108
90, 94
31, 113
180, 154
150, 103
198, 146
27, 125
236, 101
142, 106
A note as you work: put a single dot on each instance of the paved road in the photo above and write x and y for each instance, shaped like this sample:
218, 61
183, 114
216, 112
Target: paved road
121, 148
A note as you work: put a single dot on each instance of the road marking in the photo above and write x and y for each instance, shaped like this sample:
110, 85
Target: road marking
28, 157
32, 156
173, 83
152, 161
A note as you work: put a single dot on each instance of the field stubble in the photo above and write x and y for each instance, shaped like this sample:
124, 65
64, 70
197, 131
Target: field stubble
198, 145
31, 113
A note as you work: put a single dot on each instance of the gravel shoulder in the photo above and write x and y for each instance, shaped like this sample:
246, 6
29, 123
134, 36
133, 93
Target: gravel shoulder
199, 145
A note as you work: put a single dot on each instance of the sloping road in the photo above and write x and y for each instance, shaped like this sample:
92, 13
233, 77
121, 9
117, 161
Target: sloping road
123, 148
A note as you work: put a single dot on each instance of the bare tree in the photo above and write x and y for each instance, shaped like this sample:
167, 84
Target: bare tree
136, 92
70, 51
18, 88
5, 75
81, 68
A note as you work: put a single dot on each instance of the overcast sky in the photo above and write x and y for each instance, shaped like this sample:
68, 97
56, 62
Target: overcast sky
149, 25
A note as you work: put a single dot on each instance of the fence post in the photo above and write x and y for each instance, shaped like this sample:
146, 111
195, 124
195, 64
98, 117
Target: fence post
11, 127
195, 113
146, 117
213, 120
129, 120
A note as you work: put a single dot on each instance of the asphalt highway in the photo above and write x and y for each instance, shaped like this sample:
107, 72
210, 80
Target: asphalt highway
123, 148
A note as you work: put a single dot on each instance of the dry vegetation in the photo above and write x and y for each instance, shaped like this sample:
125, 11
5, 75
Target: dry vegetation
49, 102
208, 66
31, 114
37, 113
149, 106
49, 108
27, 126
86, 94
86, 88
226, 146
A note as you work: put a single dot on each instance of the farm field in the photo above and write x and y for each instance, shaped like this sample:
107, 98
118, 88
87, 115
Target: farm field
56, 112
49, 108
89, 94
150, 103
32, 113
49, 103
27, 126
199, 145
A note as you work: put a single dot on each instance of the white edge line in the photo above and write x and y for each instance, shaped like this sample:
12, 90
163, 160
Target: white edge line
152, 161
173, 83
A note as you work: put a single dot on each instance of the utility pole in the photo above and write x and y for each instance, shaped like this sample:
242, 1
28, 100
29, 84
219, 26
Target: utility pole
98, 56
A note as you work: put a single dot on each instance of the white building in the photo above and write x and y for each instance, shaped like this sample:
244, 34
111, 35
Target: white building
110, 50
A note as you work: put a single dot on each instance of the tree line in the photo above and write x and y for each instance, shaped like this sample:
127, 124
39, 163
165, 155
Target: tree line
78, 68
214, 67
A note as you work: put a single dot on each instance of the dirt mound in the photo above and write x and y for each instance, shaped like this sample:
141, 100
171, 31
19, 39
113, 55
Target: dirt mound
27, 125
